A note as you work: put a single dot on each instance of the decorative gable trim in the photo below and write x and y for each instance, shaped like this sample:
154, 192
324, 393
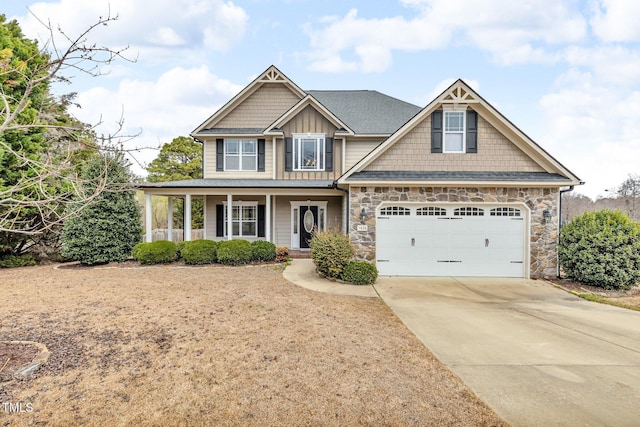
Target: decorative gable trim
275, 127
270, 75
460, 93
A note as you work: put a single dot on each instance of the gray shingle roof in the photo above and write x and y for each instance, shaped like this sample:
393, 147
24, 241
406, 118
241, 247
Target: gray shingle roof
233, 131
456, 176
367, 111
241, 183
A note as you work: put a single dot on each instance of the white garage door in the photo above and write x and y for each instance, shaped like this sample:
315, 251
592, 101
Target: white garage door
450, 241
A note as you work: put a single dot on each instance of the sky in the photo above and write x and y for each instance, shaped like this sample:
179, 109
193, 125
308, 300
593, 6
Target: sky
566, 72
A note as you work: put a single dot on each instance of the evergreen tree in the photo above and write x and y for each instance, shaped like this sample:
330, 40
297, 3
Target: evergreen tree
107, 229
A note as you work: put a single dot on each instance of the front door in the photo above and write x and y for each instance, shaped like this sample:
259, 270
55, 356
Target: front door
308, 222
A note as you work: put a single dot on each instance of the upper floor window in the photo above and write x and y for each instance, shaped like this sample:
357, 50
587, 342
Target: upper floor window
454, 131
240, 155
308, 152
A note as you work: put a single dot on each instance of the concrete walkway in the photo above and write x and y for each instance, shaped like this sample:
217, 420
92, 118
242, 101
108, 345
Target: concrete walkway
302, 272
537, 355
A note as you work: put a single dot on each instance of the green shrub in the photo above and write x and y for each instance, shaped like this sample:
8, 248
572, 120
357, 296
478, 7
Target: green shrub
601, 249
234, 252
199, 252
179, 247
330, 252
11, 261
360, 273
282, 253
263, 251
158, 252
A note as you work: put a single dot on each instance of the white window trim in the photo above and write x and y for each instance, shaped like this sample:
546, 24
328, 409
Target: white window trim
320, 146
444, 131
240, 204
240, 155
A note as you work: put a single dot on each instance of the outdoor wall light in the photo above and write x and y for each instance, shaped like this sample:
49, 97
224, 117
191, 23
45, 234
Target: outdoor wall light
363, 214
546, 215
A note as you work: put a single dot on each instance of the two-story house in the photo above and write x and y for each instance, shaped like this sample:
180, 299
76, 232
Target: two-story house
451, 189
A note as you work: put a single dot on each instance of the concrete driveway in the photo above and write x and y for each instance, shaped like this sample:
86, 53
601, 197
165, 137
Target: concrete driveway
535, 354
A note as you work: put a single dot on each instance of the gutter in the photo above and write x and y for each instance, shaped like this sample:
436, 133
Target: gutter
335, 187
560, 222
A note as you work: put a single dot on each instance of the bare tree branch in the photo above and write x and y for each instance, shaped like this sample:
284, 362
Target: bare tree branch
50, 187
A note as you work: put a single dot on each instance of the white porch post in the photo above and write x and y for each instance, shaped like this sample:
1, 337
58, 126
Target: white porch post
229, 217
267, 218
147, 218
170, 219
187, 218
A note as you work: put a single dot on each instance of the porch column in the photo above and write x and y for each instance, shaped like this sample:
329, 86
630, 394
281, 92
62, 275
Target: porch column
147, 218
267, 217
170, 219
187, 218
229, 217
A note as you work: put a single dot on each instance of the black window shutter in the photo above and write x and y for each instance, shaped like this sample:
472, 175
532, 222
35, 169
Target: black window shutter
288, 154
328, 154
436, 131
261, 221
219, 220
219, 155
261, 155
472, 131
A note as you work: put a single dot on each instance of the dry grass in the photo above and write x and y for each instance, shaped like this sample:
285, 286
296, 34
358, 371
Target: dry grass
629, 298
218, 346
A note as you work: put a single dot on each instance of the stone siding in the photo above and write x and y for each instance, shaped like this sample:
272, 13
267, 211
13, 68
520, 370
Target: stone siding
543, 234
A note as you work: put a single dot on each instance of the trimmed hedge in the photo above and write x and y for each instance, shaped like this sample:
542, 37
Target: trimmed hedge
235, 252
158, 252
601, 249
263, 251
360, 273
331, 252
197, 252
11, 261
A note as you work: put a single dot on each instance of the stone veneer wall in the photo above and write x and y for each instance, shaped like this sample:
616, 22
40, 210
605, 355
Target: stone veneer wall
544, 235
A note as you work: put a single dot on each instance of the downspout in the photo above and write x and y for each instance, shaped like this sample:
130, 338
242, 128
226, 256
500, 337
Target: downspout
335, 186
560, 223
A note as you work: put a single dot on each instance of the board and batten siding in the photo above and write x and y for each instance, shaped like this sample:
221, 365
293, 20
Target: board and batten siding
210, 163
261, 108
495, 153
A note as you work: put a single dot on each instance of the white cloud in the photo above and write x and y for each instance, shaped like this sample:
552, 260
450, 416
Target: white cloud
592, 127
173, 105
143, 24
616, 20
512, 32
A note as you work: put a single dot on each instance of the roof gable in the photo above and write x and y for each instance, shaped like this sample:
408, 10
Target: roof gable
299, 107
460, 94
270, 79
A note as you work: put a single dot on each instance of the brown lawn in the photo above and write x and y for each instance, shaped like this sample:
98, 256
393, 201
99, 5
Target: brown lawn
217, 346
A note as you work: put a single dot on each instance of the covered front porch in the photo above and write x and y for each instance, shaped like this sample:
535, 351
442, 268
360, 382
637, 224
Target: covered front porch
283, 216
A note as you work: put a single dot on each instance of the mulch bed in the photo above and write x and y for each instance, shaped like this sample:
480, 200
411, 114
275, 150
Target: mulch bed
13, 357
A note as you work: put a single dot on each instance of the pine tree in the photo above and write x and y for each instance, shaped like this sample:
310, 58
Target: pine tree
107, 229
